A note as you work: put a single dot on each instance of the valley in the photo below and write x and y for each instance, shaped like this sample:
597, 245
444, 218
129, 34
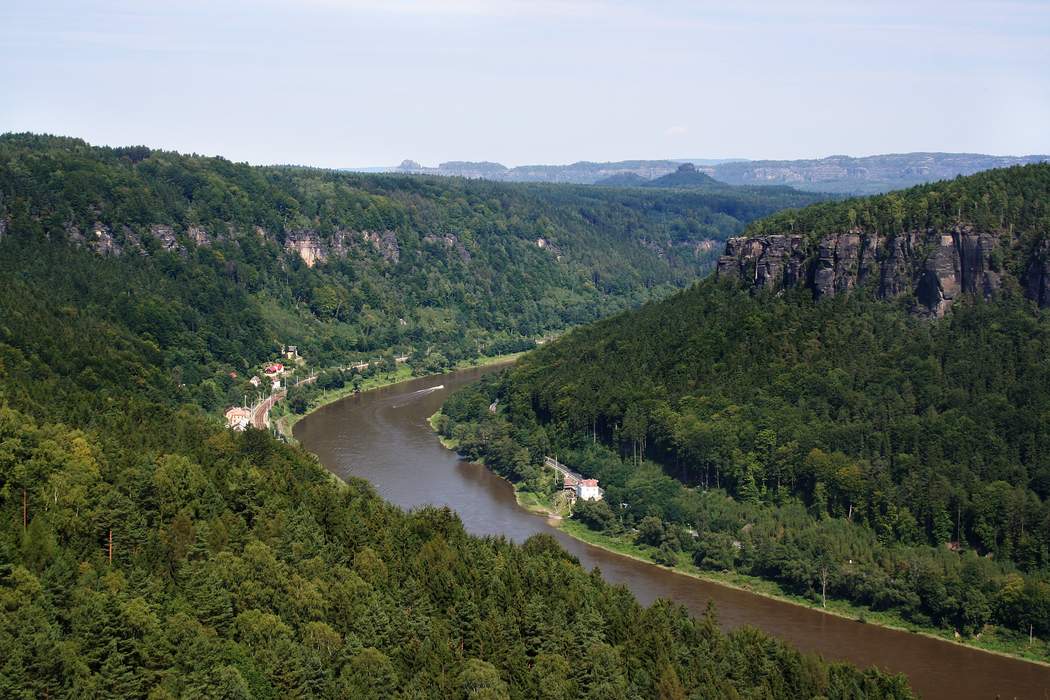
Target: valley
383, 436
550, 410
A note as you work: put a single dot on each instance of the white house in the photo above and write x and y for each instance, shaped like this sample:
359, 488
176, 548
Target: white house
238, 418
587, 490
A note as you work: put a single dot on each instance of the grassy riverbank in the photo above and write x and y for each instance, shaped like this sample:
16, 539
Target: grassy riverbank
992, 639
284, 419
531, 501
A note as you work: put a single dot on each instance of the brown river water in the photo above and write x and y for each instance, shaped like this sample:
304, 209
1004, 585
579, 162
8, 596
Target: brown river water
383, 436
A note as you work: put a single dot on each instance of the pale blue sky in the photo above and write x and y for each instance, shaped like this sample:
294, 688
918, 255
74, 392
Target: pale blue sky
360, 82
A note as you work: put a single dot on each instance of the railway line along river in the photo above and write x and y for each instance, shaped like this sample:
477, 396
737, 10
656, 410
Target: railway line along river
383, 436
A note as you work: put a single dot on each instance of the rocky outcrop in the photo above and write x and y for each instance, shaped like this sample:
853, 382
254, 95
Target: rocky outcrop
449, 240
1037, 275
704, 246
959, 263
844, 263
770, 262
165, 235
314, 249
307, 244
198, 235
102, 240
385, 243
933, 267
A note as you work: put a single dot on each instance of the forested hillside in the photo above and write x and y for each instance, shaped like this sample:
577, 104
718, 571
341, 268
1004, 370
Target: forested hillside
347, 265
146, 551
837, 444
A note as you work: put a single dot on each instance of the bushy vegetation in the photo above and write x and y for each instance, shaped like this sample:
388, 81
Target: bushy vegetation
839, 446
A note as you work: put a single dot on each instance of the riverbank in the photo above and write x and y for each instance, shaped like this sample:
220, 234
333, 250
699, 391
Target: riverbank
992, 640
284, 420
527, 500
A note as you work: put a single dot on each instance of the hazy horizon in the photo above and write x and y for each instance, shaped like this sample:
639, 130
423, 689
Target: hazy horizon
359, 83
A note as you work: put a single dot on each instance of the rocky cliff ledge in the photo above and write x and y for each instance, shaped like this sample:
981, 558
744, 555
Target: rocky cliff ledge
308, 244
314, 249
932, 267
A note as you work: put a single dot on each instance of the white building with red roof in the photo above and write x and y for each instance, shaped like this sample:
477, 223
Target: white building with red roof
238, 418
587, 490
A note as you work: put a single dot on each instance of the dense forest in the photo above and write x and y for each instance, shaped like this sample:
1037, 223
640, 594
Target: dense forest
348, 265
147, 551
841, 447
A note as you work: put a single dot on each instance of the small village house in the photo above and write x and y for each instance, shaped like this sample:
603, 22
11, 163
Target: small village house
238, 418
587, 490
582, 489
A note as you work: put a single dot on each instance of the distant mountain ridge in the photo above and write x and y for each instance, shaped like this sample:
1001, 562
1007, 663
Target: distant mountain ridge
582, 172
865, 175
835, 174
687, 176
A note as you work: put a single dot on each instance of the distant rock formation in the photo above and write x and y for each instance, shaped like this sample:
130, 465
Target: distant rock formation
583, 172
932, 267
834, 174
864, 175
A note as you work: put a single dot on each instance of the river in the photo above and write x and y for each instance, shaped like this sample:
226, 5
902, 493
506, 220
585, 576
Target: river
383, 436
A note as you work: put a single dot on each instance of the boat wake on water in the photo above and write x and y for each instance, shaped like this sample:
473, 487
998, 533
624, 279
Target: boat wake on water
404, 399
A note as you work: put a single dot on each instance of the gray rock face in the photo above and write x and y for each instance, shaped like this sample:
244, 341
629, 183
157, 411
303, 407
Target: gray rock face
315, 249
934, 267
167, 238
1037, 276
449, 240
198, 235
843, 263
101, 239
772, 262
385, 243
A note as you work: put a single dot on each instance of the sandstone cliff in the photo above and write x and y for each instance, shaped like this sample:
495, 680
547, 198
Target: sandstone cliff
932, 267
314, 248
308, 244
1037, 275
